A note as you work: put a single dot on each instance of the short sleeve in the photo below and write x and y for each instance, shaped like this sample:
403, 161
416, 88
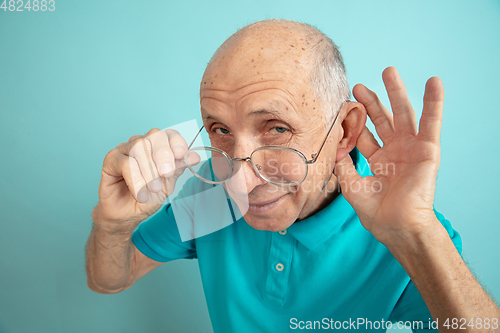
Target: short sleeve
158, 238
411, 306
454, 235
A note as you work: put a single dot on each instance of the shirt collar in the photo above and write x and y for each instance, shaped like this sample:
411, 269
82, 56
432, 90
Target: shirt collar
316, 229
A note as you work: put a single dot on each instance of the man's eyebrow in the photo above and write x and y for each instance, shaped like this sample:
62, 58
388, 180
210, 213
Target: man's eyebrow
267, 112
207, 116
272, 112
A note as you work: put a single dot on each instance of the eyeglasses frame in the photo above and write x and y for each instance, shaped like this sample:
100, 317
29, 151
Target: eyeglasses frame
314, 158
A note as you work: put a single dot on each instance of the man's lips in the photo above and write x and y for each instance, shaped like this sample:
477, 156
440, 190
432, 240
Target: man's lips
265, 202
263, 207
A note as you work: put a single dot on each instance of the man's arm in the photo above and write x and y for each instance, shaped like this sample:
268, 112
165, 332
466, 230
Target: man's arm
444, 281
396, 205
137, 177
113, 263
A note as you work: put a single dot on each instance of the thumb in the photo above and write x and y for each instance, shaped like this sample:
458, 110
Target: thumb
346, 174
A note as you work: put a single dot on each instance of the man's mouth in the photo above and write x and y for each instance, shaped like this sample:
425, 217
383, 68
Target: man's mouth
264, 207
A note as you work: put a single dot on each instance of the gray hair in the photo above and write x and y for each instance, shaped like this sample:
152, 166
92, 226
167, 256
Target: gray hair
328, 76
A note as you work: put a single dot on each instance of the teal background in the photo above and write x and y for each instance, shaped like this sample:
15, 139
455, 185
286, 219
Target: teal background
76, 82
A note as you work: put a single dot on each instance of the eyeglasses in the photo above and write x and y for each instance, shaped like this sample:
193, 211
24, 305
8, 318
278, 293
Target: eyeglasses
277, 165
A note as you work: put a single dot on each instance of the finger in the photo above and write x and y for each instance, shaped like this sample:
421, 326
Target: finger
177, 143
192, 159
170, 182
180, 150
118, 167
379, 115
367, 144
432, 114
141, 151
346, 174
404, 115
135, 181
161, 152
132, 138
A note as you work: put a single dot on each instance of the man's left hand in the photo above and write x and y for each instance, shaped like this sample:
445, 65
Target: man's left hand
397, 201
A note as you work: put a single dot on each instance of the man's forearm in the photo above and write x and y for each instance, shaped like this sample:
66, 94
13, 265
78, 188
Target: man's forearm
109, 256
443, 279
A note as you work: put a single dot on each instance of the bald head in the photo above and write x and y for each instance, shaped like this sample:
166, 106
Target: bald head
290, 46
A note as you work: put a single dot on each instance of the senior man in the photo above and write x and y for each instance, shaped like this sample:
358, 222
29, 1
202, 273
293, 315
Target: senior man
304, 255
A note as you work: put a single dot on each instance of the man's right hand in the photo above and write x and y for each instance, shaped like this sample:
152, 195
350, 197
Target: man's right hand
138, 175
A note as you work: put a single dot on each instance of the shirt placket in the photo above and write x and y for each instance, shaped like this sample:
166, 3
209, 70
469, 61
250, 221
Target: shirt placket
279, 265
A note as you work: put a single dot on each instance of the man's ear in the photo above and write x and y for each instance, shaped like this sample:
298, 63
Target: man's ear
354, 120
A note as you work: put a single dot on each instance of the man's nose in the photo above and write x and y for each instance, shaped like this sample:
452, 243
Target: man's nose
244, 178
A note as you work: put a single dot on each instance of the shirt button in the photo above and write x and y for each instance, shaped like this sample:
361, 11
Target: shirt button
283, 232
279, 267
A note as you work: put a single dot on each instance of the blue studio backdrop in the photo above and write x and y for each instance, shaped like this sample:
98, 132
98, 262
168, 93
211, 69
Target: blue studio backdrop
80, 77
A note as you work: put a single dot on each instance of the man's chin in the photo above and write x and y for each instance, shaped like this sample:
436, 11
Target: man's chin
268, 223
271, 216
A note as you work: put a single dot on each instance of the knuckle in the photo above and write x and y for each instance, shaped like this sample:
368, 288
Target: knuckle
153, 131
120, 148
163, 153
172, 132
156, 137
182, 142
177, 140
134, 137
111, 155
140, 145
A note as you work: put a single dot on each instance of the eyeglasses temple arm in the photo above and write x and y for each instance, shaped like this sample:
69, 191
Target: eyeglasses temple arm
315, 156
189, 147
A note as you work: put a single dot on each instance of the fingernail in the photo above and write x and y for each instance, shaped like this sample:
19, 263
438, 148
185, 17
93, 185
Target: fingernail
165, 169
142, 197
156, 185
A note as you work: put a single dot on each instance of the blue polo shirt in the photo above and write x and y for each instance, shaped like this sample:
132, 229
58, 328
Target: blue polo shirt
325, 272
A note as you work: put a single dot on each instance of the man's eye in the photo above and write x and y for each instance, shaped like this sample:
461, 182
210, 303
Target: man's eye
278, 130
221, 131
